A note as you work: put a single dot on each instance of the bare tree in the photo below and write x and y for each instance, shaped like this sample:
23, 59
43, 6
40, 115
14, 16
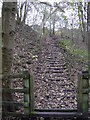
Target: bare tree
82, 27
45, 12
22, 10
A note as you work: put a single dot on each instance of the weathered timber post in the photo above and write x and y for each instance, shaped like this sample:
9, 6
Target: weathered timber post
79, 94
85, 86
26, 84
31, 94
28, 97
83, 93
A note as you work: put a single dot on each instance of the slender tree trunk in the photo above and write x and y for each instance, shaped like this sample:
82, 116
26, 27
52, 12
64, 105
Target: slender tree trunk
43, 28
79, 17
25, 13
83, 27
43, 23
50, 22
72, 33
54, 27
20, 16
82, 21
8, 31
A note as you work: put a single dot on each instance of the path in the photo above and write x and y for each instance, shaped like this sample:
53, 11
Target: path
53, 87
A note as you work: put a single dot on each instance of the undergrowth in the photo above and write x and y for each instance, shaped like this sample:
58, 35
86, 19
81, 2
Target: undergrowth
67, 45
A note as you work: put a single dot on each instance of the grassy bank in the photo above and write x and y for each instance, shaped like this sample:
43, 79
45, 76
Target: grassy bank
67, 45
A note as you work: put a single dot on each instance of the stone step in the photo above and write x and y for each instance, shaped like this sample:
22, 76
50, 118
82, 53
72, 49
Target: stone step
54, 68
58, 66
52, 64
56, 51
64, 74
55, 62
55, 59
58, 79
54, 71
57, 69
59, 75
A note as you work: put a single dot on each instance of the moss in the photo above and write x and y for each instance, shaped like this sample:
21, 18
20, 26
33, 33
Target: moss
33, 113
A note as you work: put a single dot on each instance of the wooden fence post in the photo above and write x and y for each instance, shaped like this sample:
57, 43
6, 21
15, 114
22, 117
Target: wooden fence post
79, 94
83, 93
85, 85
31, 94
26, 84
28, 97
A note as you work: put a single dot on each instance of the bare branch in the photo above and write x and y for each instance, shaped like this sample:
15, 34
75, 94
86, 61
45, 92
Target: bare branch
46, 3
57, 5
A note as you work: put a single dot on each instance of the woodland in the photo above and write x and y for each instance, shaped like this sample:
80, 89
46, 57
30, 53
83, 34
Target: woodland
51, 41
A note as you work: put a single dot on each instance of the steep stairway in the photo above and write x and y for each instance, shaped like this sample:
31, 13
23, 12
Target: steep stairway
53, 87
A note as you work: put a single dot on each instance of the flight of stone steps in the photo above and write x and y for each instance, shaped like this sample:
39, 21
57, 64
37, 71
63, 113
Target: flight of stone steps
53, 87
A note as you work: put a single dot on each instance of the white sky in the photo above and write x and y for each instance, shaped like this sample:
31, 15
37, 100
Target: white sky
51, 1
67, 13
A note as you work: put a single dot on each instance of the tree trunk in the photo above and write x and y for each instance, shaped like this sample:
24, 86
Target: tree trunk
50, 22
0, 65
25, 13
81, 20
43, 23
83, 27
20, 17
43, 28
72, 33
83, 30
54, 27
88, 28
8, 31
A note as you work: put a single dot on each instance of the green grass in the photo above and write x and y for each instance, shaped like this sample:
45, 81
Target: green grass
67, 45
